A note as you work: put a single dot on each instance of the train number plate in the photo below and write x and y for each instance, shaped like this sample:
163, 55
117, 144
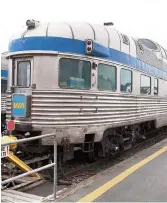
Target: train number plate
4, 151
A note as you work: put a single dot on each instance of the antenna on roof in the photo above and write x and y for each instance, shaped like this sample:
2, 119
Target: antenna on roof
108, 24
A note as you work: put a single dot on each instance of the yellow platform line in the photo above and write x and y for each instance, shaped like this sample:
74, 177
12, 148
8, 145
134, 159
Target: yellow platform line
102, 189
20, 164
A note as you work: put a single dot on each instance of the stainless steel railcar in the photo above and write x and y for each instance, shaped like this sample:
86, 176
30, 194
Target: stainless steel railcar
4, 76
89, 83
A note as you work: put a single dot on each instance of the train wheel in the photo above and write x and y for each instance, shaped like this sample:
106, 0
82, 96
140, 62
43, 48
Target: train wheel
109, 145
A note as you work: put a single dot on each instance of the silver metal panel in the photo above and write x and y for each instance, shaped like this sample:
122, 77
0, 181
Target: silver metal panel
8, 107
74, 113
74, 108
3, 103
45, 72
161, 121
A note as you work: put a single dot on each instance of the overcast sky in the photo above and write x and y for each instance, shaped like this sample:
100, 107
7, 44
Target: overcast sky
137, 18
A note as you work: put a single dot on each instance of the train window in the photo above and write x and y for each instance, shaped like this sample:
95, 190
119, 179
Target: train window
148, 43
155, 86
74, 73
3, 86
107, 77
23, 73
126, 80
145, 86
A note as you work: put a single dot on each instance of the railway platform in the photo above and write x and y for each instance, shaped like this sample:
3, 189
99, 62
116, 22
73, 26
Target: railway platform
143, 177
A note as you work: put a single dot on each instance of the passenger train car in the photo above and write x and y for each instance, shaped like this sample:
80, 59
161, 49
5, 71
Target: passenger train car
96, 87
4, 77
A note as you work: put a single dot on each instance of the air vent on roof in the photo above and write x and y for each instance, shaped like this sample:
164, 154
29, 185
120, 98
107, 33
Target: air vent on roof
125, 39
108, 23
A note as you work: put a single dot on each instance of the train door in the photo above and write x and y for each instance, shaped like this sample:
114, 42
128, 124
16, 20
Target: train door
22, 87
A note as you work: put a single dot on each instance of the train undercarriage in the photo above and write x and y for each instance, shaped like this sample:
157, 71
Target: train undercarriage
114, 141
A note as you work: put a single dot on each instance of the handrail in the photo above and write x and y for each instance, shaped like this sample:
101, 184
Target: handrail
27, 173
27, 139
38, 169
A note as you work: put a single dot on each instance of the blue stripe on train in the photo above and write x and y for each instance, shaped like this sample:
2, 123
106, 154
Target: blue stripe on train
78, 46
4, 73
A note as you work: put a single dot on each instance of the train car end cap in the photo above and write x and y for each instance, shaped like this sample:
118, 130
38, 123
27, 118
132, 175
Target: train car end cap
11, 125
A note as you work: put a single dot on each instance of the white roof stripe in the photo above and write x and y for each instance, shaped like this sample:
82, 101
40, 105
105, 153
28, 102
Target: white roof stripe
106, 36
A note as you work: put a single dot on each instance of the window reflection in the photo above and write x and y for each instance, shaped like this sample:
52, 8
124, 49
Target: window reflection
74, 73
145, 87
106, 77
148, 43
23, 73
155, 86
126, 80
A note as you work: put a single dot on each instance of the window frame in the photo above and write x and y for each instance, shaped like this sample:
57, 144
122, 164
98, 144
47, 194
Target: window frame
150, 84
141, 40
165, 53
2, 85
116, 88
16, 72
157, 86
131, 81
140, 46
79, 59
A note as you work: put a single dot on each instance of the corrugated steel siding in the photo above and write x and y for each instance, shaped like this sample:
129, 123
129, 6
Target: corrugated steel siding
63, 108
8, 107
3, 103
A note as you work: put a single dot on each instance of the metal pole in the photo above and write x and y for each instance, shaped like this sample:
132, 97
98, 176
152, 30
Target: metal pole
27, 139
55, 168
27, 173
